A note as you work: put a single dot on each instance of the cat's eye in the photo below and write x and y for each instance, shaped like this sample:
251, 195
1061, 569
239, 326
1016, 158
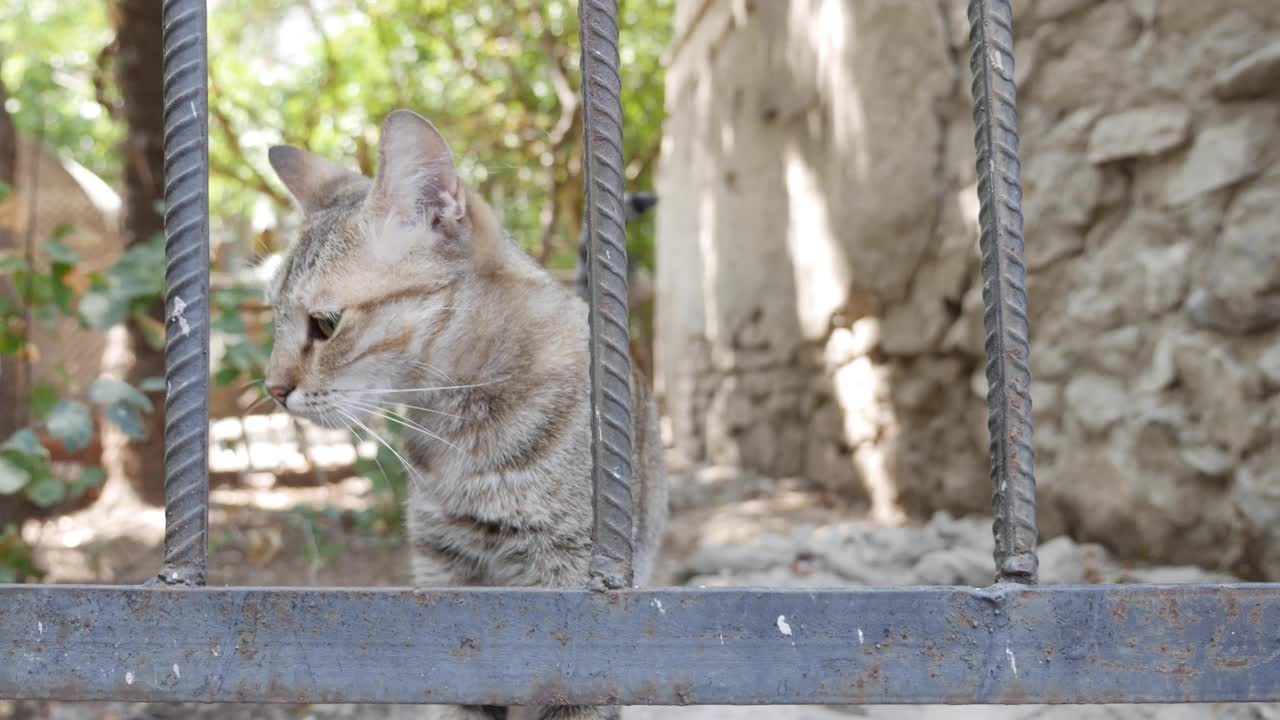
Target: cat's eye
322, 326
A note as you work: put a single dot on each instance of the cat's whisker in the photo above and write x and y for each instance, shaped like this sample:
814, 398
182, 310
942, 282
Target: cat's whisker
409, 468
432, 369
396, 417
256, 403
408, 406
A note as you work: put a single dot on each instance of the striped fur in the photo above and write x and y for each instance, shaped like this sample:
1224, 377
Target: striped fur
476, 349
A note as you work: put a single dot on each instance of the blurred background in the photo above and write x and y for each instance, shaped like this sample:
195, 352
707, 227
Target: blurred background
811, 316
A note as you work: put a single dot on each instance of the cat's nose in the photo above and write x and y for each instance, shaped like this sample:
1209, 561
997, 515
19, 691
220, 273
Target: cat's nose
280, 392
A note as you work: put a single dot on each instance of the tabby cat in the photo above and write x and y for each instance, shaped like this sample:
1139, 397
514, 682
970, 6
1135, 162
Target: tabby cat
403, 298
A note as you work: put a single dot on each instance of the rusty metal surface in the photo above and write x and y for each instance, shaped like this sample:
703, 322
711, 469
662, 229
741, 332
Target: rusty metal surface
1006, 644
186, 225
607, 288
1004, 291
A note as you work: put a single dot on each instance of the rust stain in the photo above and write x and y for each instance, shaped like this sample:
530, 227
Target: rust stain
564, 637
1255, 615
468, 648
1120, 611
1235, 663
685, 694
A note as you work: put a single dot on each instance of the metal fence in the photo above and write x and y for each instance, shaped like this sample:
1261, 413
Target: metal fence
1012, 642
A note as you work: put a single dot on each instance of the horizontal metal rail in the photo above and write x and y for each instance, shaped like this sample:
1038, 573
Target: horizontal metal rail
1006, 644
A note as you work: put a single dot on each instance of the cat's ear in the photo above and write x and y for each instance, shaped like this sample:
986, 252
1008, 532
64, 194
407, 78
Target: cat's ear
310, 178
417, 180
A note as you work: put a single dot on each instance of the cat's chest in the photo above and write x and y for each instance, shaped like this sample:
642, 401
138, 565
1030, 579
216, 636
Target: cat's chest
516, 499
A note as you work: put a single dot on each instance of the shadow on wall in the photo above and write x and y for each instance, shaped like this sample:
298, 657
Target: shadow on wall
821, 259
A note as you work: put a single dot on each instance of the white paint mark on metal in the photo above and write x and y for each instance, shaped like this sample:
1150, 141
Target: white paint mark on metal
658, 604
1013, 661
179, 307
128, 677
176, 672
783, 627
861, 640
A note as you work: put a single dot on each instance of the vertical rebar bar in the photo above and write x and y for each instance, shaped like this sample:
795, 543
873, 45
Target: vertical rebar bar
1004, 292
607, 283
186, 227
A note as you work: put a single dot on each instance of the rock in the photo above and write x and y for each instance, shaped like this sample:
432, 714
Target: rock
1256, 74
1098, 402
845, 344
956, 566
1167, 277
1246, 262
1269, 365
1162, 371
1056, 9
1116, 352
1219, 387
1051, 245
913, 328
1060, 187
1224, 155
1146, 132
1232, 315
1209, 460
1063, 562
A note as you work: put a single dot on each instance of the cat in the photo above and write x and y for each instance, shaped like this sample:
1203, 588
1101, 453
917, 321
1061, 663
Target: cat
404, 290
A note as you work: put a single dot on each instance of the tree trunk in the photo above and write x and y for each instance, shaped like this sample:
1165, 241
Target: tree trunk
14, 406
139, 71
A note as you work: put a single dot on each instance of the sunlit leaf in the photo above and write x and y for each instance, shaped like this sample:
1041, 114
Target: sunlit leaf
46, 491
59, 252
71, 423
127, 418
12, 477
105, 391
26, 442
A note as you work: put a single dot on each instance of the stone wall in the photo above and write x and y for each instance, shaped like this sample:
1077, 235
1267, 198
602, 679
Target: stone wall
819, 309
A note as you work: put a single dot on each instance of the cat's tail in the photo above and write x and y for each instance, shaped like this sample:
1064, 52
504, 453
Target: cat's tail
634, 206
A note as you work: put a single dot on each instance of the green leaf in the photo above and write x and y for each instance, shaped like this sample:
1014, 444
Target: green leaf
152, 384
89, 479
5, 190
127, 418
226, 375
12, 477
63, 230
13, 264
25, 442
71, 423
46, 491
101, 309
43, 399
59, 252
106, 391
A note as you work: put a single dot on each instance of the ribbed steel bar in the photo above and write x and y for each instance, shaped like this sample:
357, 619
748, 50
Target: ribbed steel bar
186, 227
1004, 291
607, 283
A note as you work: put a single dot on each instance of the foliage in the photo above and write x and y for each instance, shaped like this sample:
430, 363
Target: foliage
500, 78
50, 287
53, 53
16, 561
